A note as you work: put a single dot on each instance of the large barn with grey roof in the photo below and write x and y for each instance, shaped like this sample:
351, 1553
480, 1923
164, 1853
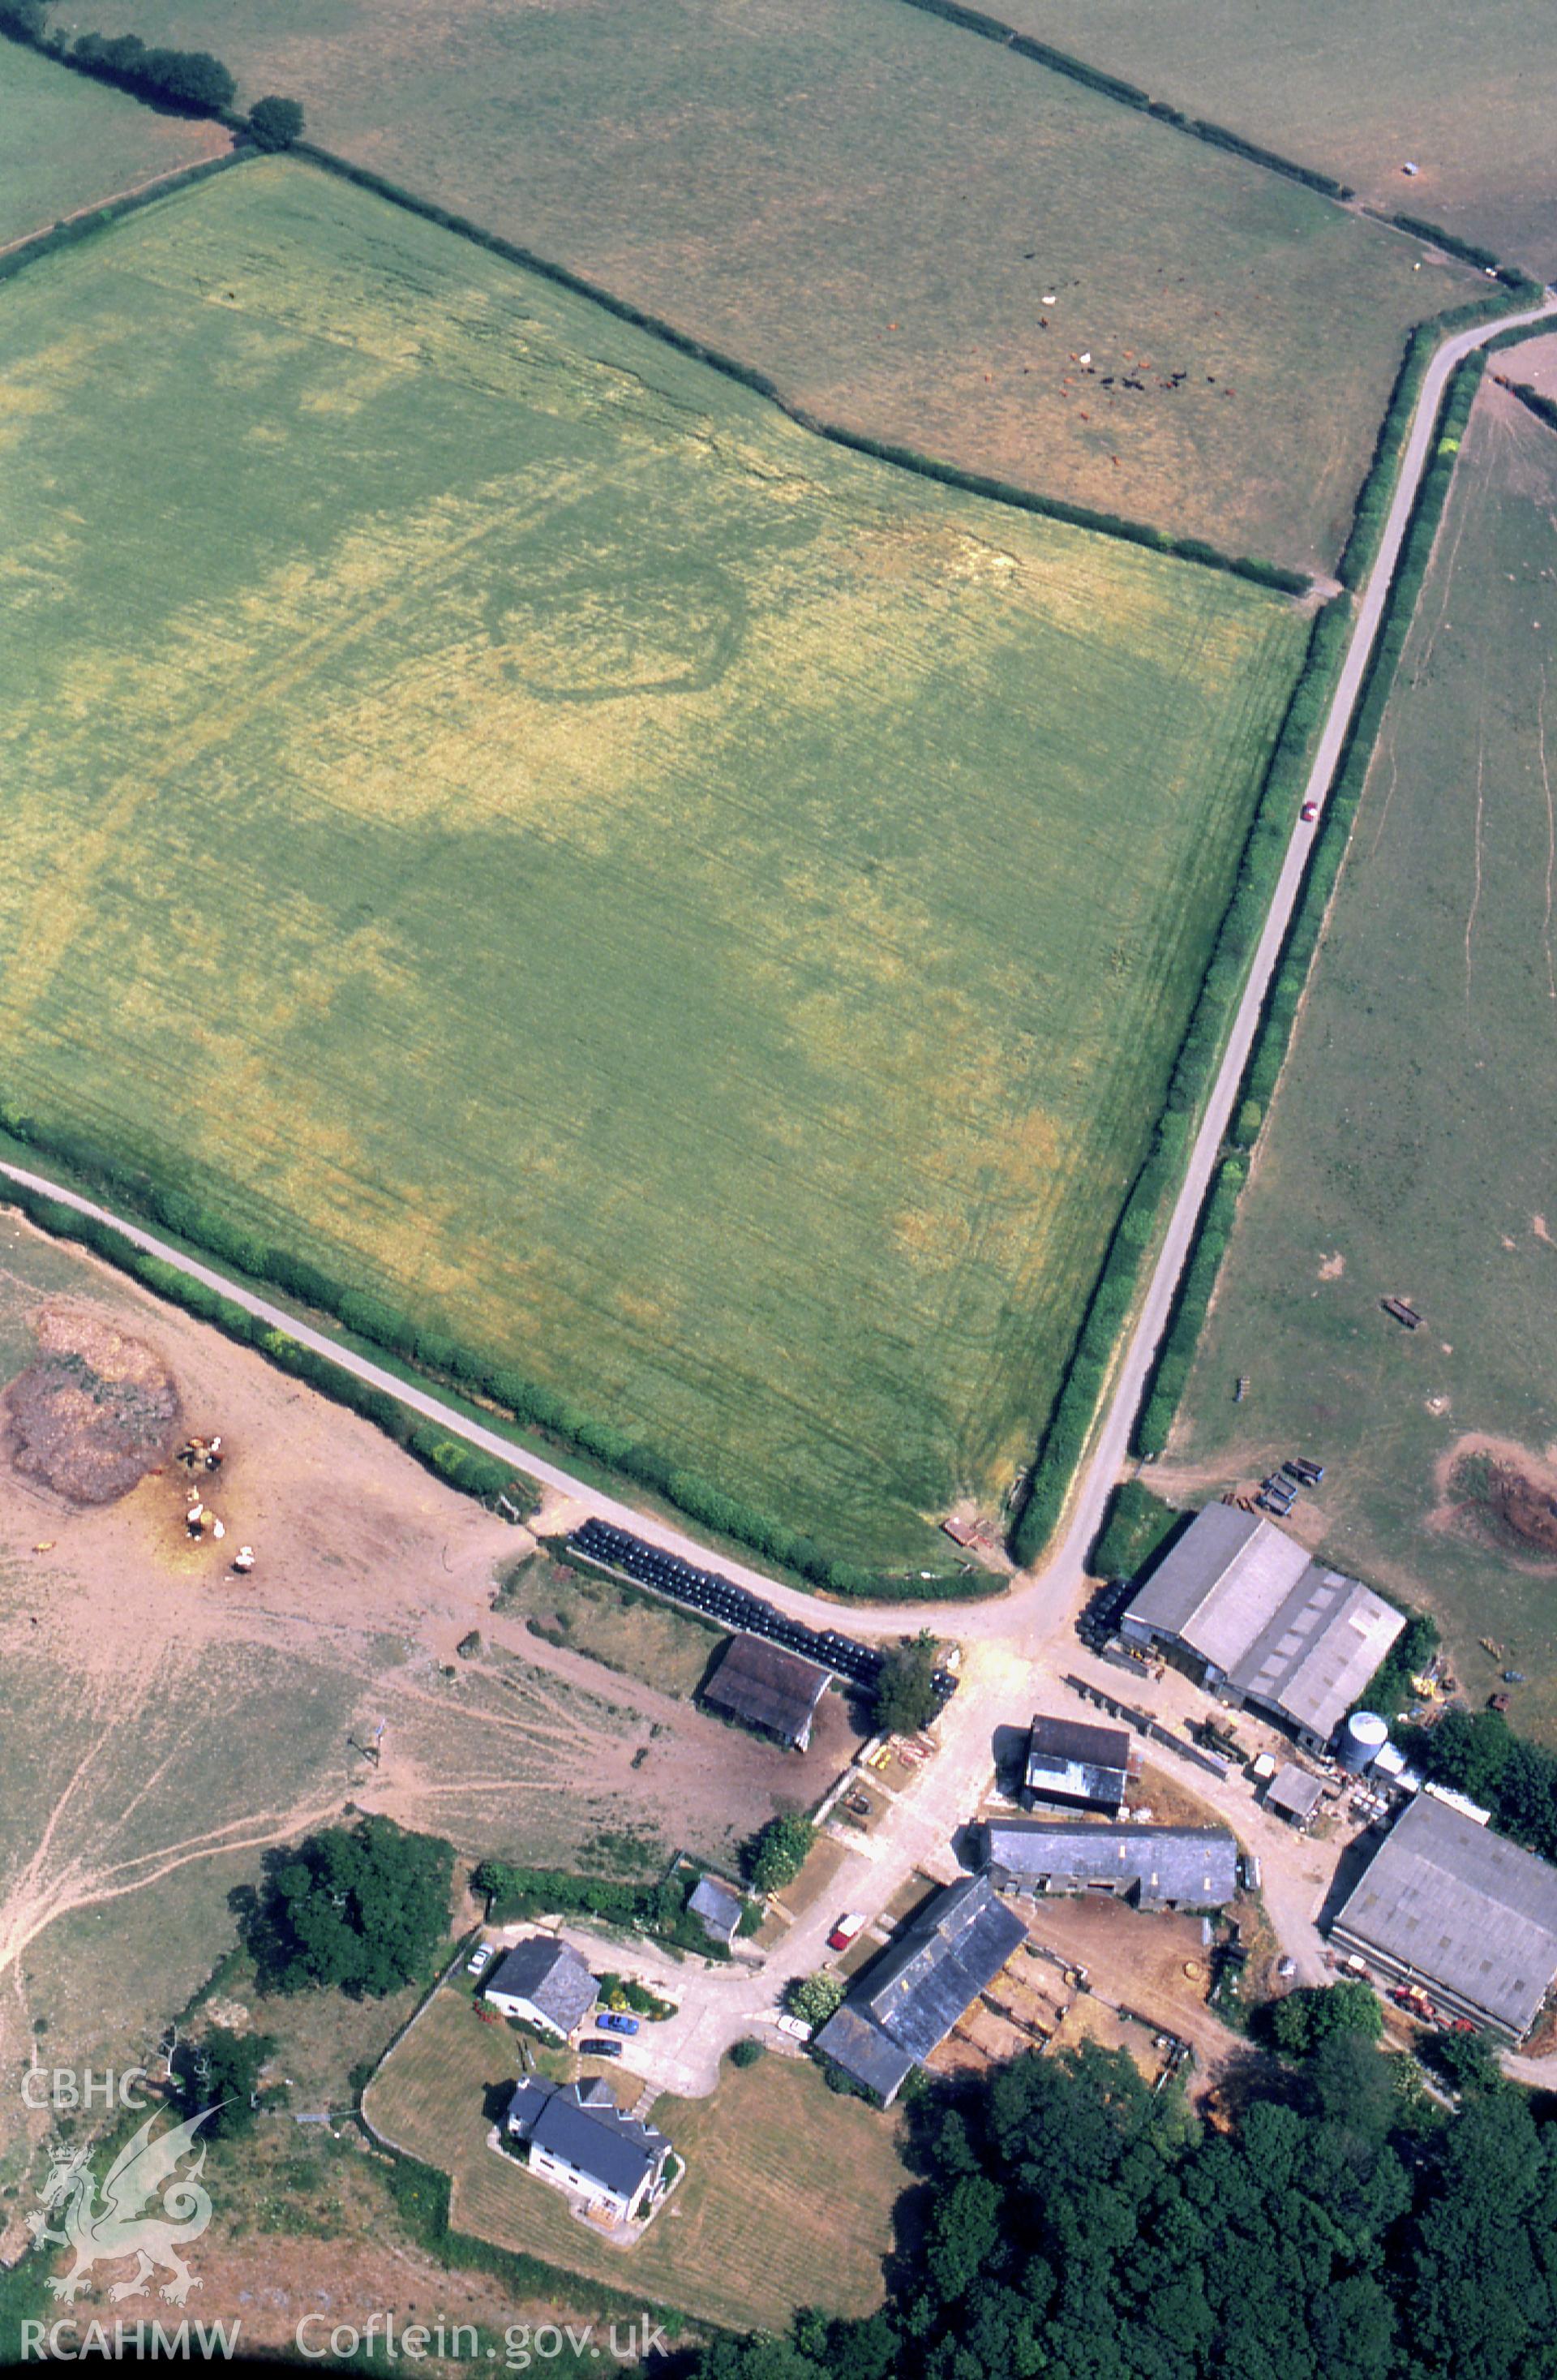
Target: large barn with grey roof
1262, 1623
1445, 1903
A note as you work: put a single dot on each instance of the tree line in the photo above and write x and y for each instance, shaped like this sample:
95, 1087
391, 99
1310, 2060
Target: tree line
1073, 2223
192, 81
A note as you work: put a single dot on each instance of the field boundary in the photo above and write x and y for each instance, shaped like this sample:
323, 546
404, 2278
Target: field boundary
1305, 934
1129, 94
87, 222
747, 376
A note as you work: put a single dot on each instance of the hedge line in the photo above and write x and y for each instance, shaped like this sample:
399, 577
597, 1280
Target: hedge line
1171, 1372
466, 1467
1070, 1421
1512, 276
373, 1319
1129, 94
1377, 492
1543, 407
904, 458
1291, 973
67, 234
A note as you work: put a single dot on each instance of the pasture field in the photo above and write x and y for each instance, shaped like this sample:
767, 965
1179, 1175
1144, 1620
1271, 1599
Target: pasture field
1466, 95
871, 206
787, 2200
1409, 1152
700, 917
68, 143
621, 1627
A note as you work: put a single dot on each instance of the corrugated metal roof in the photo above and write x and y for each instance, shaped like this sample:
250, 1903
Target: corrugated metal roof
1281, 1629
1197, 1866
1463, 1908
1319, 1651
767, 1686
1294, 1792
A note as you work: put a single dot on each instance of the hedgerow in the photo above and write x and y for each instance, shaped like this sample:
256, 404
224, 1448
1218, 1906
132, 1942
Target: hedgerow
1260, 865
1291, 973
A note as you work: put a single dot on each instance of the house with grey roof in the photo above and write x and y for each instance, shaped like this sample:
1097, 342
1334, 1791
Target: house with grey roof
1159, 1868
1084, 1767
543, 1982
769, 1690
717, 1908
1260, 1622
909, 1999
577, 2138
1467, 1915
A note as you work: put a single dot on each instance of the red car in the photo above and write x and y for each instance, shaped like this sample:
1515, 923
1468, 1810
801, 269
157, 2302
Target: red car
1310, 812
844, 1933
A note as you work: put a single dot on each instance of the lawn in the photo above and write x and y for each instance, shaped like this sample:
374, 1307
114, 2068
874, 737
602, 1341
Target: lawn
1466, 95
70, 143
872, 206
701, 916
787, 2201
1409, 1149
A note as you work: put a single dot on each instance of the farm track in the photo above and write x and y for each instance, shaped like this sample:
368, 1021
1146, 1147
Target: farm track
1039, 1599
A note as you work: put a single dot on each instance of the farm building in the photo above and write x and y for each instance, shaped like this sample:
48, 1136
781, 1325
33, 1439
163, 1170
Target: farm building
1294, 1794
717, 1908
1160, 1867
545, 1983
577, 2137
915, 1994
1087, 1768
1465, 1913
1260, 1622
766, 1688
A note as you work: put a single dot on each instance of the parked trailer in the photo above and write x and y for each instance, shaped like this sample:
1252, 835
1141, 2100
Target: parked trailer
1404, 1314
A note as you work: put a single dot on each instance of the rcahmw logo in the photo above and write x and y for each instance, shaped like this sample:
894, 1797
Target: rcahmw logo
66, 2342
145, 2210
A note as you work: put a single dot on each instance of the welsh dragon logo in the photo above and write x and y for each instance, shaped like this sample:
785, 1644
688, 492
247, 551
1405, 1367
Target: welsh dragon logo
104, 2228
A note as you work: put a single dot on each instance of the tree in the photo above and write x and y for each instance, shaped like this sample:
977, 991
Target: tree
813, 1998
1467, 2061
1312, 2015
905, 1697
275, 123
363, 1909
223, 2072
1468, 1750
775, 1856
746, 2051
25, 20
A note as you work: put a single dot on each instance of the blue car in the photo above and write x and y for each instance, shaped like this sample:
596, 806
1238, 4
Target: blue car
609, 2022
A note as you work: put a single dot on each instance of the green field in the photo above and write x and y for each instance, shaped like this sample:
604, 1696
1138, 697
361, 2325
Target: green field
704, 919
67, 143
788, 2200
1409, 1149
871, 205
1469, 95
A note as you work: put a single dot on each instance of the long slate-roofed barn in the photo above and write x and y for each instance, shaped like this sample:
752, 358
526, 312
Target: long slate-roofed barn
915, 1994
1161, 1867
1070, 1761
1446, 1904
768, 1689
1264, 1624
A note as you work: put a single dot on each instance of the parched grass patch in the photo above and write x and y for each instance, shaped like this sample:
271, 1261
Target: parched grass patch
1467, 97
1412, 1159
620, 1627
787, 2201
69, 143
700, 918
872, 206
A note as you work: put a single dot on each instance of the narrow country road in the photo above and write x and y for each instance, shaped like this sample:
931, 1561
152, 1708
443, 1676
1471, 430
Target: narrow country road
1039, 1599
